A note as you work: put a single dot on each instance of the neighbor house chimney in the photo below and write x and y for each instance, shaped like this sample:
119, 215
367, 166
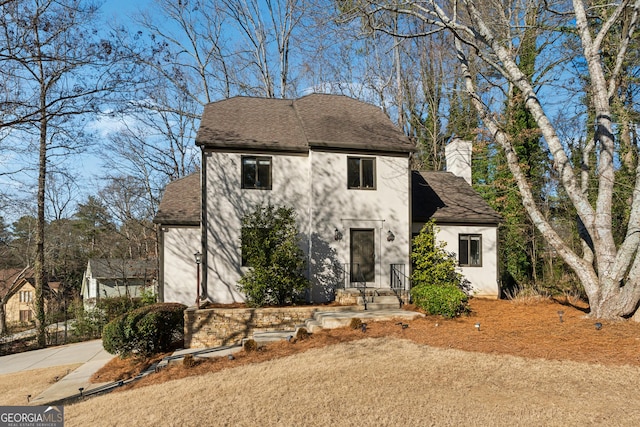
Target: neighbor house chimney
458, 156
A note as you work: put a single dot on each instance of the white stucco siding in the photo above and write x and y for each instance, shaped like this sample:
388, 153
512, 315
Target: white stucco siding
92, 288
484, 279
111, 289
179, 275
334, 205
227, 203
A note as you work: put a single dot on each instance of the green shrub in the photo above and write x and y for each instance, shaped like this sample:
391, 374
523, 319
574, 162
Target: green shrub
148, 297
113, 307
438, 286
87, 324
432, 264
270, 247
146, 330
114, 338
446, 300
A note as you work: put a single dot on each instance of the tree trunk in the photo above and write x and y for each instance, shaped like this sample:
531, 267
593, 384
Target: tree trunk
39, 263
3, 318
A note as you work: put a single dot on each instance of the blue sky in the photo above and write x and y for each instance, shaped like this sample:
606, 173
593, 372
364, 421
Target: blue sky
88, 165
123, 8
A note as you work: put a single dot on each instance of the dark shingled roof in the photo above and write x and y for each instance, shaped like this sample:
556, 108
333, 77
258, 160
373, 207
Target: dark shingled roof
122, 268
448, 198
317, 120
180, 203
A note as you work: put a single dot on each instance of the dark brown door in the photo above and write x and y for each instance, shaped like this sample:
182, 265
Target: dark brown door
363, 259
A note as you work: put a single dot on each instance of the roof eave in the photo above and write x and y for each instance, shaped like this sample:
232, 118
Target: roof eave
269, 146
403, 148
177, 222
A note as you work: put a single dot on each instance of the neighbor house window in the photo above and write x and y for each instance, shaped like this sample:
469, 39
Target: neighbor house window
256, 172
470, 250
25, 316
361, 173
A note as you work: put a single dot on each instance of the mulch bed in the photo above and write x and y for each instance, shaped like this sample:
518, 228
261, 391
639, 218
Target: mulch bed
529, 329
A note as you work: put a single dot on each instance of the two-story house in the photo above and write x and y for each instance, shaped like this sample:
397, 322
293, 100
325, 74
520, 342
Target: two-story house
345, 169
340, 163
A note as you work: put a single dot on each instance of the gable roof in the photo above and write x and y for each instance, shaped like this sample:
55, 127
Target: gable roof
313, 121
448, 198
12, 279
114, 268
180, 204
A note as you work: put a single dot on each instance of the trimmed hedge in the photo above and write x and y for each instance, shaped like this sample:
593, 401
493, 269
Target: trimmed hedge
146, 330
447, 300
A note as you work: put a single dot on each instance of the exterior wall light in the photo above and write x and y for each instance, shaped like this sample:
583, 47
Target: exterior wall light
198, 257
337, 235
390, 236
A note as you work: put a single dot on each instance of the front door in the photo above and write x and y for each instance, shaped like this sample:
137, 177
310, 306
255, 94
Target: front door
363, 259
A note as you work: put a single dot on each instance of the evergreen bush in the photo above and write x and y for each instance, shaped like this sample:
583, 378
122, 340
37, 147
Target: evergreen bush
146, 330
271, 249
446, 300
438, 287
113, 307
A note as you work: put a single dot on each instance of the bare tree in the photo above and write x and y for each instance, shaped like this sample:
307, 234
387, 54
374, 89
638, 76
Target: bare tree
61, 193
609, 273
60, 71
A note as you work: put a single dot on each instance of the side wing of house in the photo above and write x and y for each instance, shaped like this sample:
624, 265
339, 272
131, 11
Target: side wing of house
465, 223
475, 247
179, 232
178, 269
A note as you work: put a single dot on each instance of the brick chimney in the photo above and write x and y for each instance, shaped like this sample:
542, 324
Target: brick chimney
458, 157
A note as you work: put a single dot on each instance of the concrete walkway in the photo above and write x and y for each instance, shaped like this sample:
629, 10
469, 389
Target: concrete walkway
89, 353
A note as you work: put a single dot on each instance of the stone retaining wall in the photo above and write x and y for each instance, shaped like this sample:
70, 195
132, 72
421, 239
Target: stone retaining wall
216, 327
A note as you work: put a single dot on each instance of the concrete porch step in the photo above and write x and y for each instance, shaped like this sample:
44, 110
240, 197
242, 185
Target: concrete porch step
270, 336
379, 302
332, 320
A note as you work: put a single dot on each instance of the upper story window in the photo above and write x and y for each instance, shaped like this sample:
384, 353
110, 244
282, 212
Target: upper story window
361, 173
256, 172
26, 296
470, 250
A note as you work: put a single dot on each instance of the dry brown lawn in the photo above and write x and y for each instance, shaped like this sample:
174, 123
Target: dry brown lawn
523, 367
15, 387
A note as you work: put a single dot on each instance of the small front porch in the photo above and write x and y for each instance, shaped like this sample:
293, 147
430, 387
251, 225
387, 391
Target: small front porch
368, 298
355, 290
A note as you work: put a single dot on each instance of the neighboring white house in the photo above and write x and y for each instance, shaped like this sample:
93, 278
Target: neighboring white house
117, 277
340, 163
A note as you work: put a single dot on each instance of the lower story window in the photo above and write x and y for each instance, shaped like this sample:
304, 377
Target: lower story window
470, 250
25, 316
